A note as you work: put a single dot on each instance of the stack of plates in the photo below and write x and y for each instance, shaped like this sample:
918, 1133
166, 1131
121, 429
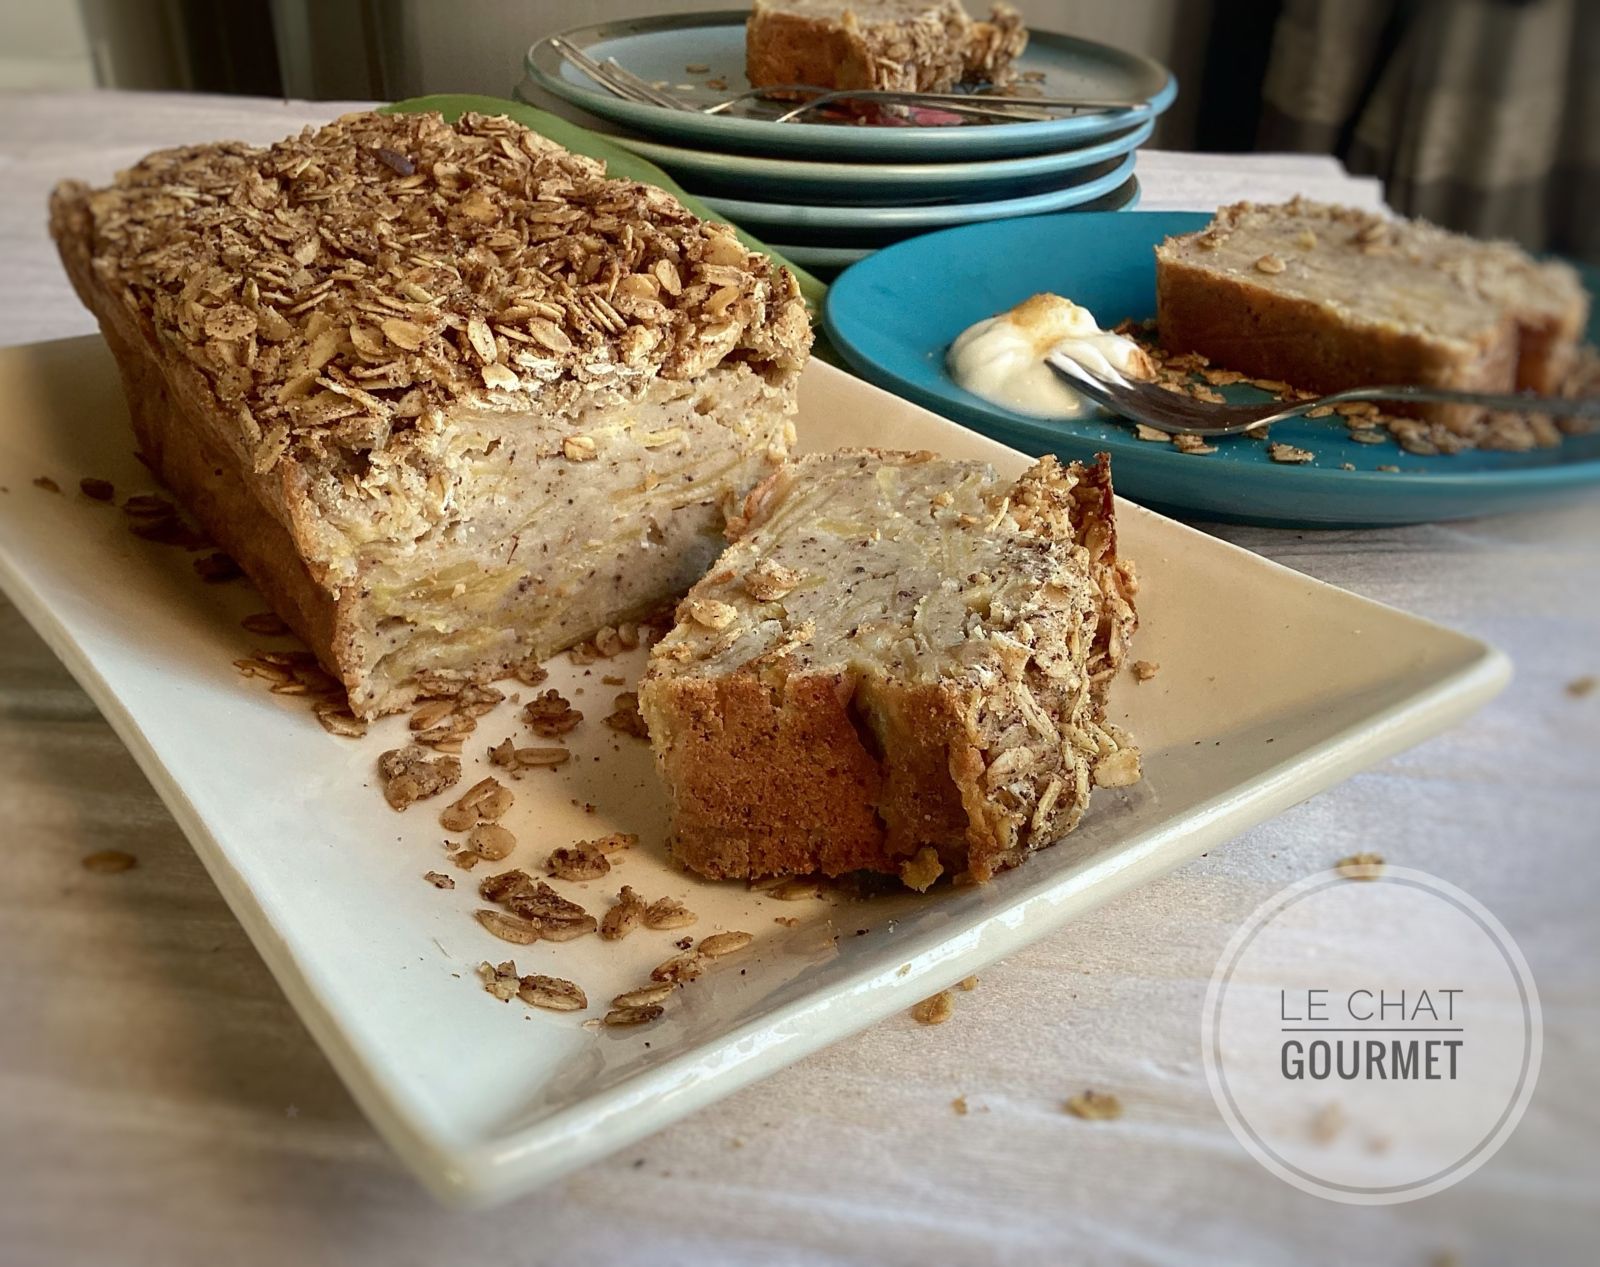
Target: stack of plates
824, 193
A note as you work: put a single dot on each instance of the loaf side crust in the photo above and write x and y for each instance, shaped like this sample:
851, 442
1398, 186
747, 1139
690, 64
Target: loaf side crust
801, 760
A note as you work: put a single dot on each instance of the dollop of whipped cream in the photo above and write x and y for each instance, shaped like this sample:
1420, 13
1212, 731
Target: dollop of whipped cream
1002, 358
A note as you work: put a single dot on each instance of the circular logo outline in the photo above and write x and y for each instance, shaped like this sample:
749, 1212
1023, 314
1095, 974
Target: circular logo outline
1484, 1149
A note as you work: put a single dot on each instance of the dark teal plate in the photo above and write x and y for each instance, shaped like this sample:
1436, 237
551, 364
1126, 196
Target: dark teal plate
893, 315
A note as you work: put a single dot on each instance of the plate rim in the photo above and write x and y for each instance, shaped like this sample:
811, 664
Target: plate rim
961, 406
542, 63
799, 215
819, 171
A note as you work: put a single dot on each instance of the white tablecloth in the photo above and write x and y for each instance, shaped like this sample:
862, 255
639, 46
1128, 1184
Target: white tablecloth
160, 1103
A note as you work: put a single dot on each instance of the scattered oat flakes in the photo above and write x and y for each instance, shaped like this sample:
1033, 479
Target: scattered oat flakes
1279, 452
582, 861
645, 995
796, 889
1151, 434
959, 1104
97, 489
1360, 866
1270, 263
439, 879
529, 672
512, 928
46, 483
465, 859
550, 715
267, 624
626, 718
1321, 411
217, 567
499, 980
788, 921
410, 775
1389, 470
621, 1016
719, 944
713, 613
1195, 445
1094, 1106
1144, 670
108, 861
555, 994
679, 968
580, 448
968, 983
935, 1010
668, 912
624, 917
1119, 769
491, 842
337, 719
769, 581
486, 801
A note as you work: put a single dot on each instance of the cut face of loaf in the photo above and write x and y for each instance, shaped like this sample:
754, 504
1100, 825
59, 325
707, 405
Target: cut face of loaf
900, 666
884, 45
450, 396
1326, 298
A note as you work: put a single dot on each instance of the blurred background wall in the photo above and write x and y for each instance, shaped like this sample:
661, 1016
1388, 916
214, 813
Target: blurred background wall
1480, 114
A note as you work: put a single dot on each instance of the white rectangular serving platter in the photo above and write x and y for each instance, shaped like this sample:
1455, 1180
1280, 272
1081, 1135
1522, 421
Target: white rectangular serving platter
1271, 687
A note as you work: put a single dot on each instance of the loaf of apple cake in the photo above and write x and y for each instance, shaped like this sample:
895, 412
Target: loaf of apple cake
885, 45
1326, 297
899, 666
450, 396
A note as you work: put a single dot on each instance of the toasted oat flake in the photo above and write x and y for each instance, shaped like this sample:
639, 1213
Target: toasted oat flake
512, 928
626, 718
486, 801
619, 1017
439, 879
719, 944
266, 624
920, 871
624, 917
668, 912
410, 775
1144, 670
555, 994
935, 1010
1289, 453
1270, 263
337, 719
769, 581
491, 842
580, 448
45, 483
796, 889
1579, 687
499, 980
968, 984
108, 861
1094, 1106
550, 715
583, 861
687, 967
1195, 445
1360, 866
97, 489
1120, 769
1151, 434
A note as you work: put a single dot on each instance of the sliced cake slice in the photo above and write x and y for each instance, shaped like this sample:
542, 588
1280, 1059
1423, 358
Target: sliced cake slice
899, 666
1327, 297
885, 45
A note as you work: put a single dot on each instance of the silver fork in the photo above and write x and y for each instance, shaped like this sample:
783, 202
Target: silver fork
1181, 415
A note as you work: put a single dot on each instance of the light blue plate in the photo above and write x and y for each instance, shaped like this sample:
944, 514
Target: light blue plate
828, 258
779, 217
893, 316
661, 50
713, 174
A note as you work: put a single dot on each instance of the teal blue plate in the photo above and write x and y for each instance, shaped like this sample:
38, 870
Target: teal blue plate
777, 218
662, 49
714, 174
893, 315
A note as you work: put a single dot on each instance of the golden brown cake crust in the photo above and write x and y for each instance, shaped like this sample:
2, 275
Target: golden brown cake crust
809, 758
326, 341
1327, 297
